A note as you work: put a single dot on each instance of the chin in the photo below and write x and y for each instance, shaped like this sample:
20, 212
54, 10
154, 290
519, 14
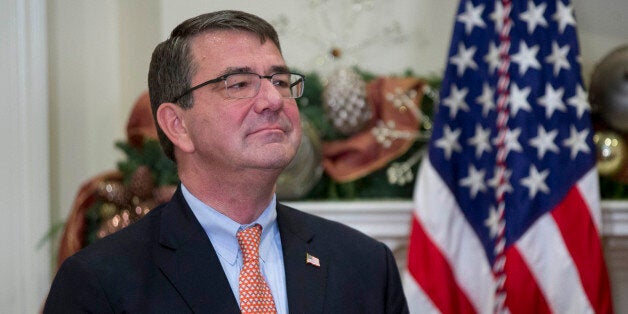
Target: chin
271, 160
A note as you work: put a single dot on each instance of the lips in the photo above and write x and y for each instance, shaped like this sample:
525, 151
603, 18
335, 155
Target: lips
283, 127
267, 129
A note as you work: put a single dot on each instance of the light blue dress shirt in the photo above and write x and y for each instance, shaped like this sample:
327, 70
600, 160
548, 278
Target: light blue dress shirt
222, 231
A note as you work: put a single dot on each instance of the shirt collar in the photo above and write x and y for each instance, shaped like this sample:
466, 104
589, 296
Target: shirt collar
222, 230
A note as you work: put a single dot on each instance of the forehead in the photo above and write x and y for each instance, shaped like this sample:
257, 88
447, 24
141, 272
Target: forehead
215, 51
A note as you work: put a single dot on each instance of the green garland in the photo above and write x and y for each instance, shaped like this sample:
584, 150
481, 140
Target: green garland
150, 154
374, 185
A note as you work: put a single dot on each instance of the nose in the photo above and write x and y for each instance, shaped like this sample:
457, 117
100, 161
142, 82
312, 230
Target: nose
268, 97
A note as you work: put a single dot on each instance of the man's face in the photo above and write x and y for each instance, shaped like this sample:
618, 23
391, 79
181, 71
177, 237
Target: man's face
262, 132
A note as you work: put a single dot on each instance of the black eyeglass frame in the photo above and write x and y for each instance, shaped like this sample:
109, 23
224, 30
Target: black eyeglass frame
224, 78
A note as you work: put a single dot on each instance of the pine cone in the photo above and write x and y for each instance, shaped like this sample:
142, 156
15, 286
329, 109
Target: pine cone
113, 192
142, 182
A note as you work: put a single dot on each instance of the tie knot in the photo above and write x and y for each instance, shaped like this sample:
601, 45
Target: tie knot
249, 239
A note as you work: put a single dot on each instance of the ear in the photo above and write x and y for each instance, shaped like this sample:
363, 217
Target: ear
171, 119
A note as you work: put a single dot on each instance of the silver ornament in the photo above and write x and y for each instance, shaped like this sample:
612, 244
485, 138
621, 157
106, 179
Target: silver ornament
344, 100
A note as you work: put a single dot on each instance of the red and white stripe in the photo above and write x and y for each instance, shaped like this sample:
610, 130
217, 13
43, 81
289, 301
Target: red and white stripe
555, 267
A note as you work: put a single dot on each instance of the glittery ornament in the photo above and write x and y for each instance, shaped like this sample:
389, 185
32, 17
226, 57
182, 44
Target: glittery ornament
344, 100
401, 173
115, 223
611, 152
113, 192
108, 210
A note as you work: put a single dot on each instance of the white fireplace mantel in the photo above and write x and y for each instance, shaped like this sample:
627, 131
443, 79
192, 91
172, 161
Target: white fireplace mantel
389, 222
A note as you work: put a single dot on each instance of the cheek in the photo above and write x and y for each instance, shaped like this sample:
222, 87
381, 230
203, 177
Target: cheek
292, 111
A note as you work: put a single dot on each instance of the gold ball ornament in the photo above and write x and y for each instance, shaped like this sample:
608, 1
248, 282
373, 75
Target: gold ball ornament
611, 152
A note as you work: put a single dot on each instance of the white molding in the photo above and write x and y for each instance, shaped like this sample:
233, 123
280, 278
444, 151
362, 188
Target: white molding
389, 222
24, 267
615, 234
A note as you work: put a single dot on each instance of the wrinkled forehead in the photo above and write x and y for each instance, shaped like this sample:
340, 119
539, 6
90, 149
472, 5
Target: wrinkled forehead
218, 50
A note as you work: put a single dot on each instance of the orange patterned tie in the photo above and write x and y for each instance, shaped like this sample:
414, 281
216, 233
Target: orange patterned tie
255, 296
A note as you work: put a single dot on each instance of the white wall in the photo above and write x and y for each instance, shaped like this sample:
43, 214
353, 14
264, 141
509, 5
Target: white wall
24, 265
99, 56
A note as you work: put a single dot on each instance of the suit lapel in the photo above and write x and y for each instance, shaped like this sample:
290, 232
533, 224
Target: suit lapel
188, 259
305, 283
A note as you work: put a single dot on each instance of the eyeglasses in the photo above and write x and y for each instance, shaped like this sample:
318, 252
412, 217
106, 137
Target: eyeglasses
246, 85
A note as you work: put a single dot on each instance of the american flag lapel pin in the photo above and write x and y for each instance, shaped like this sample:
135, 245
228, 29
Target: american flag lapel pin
312, 260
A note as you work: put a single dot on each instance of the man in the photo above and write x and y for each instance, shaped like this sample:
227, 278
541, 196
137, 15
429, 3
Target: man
224, 102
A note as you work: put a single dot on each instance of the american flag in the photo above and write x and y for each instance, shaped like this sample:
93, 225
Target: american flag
507, 211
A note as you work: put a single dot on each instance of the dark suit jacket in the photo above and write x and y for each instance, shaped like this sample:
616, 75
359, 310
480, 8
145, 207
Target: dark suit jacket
165, 263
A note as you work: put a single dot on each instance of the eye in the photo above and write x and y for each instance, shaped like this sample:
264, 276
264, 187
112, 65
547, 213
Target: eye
239, 81
281, 80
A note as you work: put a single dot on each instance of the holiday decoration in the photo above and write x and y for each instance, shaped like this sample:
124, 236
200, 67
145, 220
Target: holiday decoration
114, 199
123, 200
611, 152
380, 160
609, 89
330, 28
345, 101
393, 130
608, 96
305, 170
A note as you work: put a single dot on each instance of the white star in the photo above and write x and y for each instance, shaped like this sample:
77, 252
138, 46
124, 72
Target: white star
480, 140
449, 141
455, 101
519, 99
579, 101
534, 16
577, 141
511, 141
492, 57
552, 100
486, 99
535, 182
526, 57
472, 17
564, 16
494, 182
558, 57
544, 142
475, 181
464, 58
493, 221
498, 16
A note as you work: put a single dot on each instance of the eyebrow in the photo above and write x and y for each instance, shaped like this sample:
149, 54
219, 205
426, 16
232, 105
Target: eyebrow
273, 69
231, 70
